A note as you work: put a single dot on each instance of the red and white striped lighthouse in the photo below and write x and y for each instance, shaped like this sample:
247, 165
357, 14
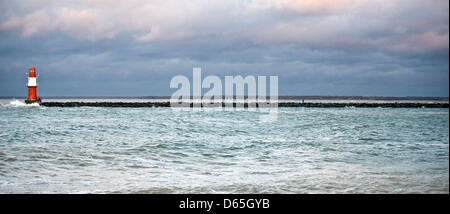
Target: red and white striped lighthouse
32, 85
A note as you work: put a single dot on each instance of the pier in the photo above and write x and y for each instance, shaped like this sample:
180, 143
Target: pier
281, 104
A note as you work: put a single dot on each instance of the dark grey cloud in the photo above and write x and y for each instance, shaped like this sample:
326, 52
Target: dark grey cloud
365, 48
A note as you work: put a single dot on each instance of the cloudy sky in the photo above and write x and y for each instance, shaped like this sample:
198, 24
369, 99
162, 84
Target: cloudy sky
316, 47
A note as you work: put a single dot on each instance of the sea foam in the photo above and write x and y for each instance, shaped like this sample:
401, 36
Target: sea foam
18, 103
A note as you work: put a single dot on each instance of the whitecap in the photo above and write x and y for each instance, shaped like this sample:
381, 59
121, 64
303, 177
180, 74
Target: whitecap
18, 103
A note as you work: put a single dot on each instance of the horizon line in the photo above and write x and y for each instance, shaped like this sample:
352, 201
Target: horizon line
372, 97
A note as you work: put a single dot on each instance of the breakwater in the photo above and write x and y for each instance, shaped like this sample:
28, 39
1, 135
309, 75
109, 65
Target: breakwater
281, 104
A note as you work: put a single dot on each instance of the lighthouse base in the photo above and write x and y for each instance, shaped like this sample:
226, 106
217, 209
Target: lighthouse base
33, 101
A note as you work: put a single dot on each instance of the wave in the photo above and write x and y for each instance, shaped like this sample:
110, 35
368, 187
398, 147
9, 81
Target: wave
18, 103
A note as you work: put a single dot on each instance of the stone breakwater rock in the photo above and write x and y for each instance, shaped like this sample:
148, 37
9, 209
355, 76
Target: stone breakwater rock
283, 104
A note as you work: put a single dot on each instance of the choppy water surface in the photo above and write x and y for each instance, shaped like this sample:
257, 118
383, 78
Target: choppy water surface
158, 150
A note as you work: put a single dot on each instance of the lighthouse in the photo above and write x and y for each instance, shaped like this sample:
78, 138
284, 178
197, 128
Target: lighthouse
32, 85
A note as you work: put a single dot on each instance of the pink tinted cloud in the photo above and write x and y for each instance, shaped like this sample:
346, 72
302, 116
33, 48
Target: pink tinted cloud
398, 26
84, 24
10, 24
422, 42
311, 6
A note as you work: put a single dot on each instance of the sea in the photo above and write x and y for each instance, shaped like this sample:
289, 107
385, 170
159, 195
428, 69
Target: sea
162, 150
